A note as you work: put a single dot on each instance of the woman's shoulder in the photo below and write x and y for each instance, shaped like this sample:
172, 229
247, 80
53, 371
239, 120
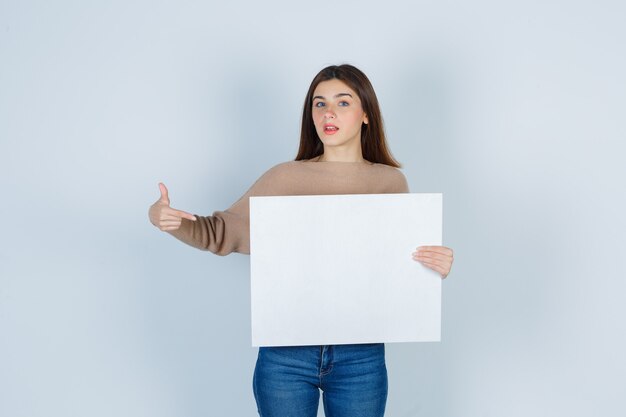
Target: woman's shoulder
282, 169
393, 176
387, 169
274, 179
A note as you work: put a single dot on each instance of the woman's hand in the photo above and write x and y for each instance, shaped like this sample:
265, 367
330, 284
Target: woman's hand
437, 258
163, 216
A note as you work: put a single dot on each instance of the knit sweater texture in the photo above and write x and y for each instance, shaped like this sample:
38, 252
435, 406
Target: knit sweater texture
228, 231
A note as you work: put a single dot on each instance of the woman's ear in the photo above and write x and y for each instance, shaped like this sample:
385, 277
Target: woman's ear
365, 120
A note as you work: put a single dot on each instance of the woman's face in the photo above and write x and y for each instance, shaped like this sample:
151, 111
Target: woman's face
337, 114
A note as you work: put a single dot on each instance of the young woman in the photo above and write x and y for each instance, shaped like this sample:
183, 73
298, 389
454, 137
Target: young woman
343, 150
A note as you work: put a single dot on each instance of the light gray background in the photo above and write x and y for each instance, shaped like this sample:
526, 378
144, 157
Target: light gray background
514, 110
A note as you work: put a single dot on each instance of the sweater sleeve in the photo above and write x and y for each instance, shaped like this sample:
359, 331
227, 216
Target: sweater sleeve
222, 233
227, 231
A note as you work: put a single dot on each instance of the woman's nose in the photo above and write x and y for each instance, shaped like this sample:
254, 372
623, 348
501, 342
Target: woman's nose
329, 113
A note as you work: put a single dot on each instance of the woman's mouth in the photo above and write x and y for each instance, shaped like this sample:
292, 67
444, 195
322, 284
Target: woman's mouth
330, 129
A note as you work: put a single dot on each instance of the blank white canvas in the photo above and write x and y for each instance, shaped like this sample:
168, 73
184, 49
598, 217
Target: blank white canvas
338, 269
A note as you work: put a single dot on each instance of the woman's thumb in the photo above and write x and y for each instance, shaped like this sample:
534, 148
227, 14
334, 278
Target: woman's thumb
164, 196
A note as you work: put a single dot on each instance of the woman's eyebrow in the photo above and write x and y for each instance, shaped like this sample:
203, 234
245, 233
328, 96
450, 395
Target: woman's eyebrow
336, 96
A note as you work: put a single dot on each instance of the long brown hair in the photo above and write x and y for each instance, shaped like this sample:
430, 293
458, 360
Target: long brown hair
373, 141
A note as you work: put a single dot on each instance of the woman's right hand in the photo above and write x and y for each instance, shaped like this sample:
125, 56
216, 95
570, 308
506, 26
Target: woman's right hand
163, 216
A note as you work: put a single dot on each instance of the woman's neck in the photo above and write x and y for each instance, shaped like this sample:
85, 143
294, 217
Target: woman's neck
341, 155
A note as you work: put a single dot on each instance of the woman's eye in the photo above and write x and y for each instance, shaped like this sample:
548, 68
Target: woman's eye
319, 104
344, 103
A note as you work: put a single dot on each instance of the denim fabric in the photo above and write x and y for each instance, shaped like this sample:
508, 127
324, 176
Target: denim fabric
353, 378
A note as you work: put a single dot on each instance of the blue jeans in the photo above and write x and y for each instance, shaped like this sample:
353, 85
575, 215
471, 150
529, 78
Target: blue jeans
287, 380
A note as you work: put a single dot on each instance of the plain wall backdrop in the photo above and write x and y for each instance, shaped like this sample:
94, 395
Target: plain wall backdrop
513, 110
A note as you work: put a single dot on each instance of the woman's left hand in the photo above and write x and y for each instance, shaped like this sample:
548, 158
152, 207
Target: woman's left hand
437, 258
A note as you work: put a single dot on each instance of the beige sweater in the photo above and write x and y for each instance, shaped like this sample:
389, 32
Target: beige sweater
229, 231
